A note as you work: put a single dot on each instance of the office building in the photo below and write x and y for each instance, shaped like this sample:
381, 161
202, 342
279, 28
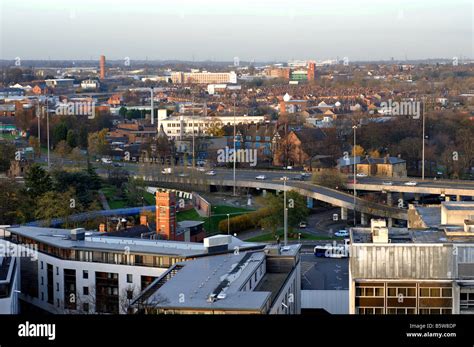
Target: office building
184, 125
204, 77
411, 271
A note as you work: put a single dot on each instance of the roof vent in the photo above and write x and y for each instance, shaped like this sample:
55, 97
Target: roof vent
78, 234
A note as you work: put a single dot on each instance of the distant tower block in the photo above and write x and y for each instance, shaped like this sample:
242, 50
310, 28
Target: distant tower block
311, 71
102, 67
166, 214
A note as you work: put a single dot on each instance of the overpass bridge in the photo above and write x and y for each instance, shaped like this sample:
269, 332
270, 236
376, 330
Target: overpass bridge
445, 188
320, 193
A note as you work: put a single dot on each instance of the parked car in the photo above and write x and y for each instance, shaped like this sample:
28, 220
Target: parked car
211, 173
261, 177
106, 160
361, 174
183, 174
303, 225
201, 169
411, 183
166, 171
387, 183
341, 233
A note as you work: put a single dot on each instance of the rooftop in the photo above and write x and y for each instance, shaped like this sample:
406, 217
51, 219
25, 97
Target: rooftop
223, 274
405, 236
217, 283
61, 238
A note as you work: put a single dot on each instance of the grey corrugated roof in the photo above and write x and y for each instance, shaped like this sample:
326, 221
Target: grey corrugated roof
192, 285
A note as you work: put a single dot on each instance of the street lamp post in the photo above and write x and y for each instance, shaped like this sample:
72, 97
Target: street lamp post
47, 131
285, 213
194, 153
423, 144
228, 224
234, 96
355, 173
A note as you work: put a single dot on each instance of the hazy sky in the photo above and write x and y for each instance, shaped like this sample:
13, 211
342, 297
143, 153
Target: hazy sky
250, 29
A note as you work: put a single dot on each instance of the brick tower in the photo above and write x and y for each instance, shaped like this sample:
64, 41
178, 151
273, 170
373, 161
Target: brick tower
311, 71
102, 67
166, 214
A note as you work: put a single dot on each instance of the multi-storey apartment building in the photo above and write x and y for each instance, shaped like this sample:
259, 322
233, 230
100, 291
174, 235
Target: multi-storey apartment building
86, 272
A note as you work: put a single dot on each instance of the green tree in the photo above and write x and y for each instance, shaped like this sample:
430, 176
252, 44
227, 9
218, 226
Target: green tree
71, 138
97, 143
57, 205
7, 154
330, 178
62, 149
59, 132
297, 210
37, 181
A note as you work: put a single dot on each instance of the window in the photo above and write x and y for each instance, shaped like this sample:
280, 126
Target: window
129, 278
424, 292
447, 292
42, 280
129, 294
42, 296
85, 274
85, 307
57, 271
85, 290
42, 265
57, 286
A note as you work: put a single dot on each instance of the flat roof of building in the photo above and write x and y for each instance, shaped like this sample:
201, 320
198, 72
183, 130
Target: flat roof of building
191, 287
224, 276
458, 205
95, 241
405, 236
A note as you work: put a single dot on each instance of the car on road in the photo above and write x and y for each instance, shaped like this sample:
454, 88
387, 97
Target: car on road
261, 177
303, 225
106, 160
387, 183
211, 173
183, 174
200, 169
361, 175
289, 167
411, 183
117, 164
166, 171
341, 233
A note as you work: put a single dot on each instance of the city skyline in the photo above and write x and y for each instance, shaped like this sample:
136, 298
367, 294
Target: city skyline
250, 30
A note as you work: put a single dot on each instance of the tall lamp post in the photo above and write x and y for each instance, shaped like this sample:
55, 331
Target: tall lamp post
285, 213
228, 224
47, 130
234, 156
423, 143
194, 153
354, 128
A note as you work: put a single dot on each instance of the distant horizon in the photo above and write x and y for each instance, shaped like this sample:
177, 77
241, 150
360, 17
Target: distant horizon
253, 30
244, 62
